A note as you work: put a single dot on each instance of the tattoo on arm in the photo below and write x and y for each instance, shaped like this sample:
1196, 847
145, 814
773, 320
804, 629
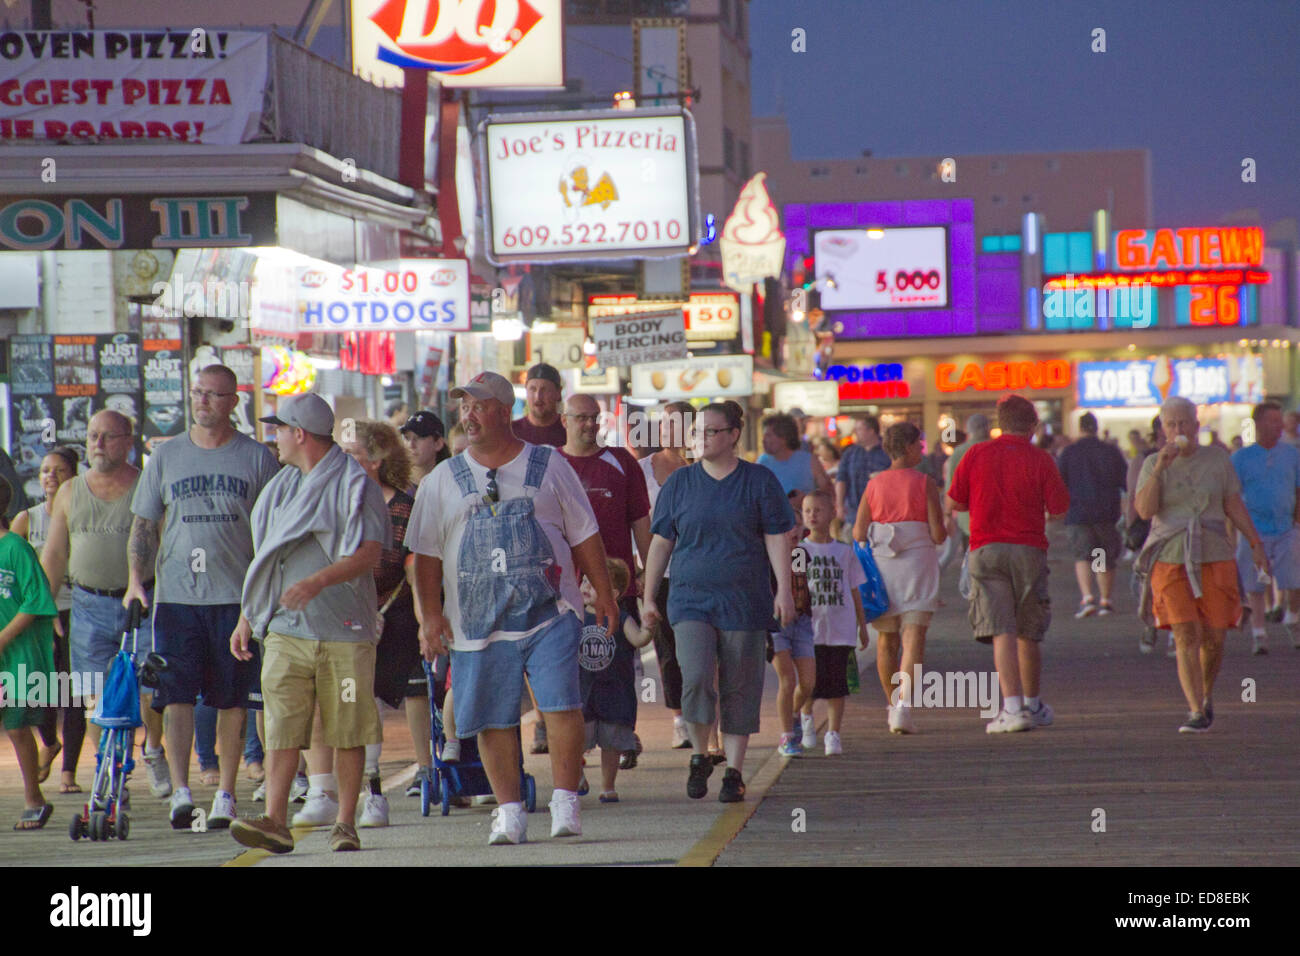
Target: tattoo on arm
143, 546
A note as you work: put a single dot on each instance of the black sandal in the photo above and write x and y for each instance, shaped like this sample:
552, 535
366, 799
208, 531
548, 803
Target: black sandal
37, 815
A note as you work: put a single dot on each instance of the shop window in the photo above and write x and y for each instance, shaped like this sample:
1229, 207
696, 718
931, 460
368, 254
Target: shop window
1053, 165
861, 170
997, 200
820, 172
998, 167
900, 169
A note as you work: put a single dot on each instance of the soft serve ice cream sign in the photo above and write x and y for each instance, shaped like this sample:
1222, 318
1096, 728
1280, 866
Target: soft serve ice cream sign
753, 247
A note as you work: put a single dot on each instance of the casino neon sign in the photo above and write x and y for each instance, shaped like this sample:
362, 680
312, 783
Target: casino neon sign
996, 376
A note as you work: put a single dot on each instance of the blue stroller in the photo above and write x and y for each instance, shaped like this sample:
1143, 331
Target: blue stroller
105, 815
466, 777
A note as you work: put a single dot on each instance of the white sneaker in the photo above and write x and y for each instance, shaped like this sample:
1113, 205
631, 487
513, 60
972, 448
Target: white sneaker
1259, 643
160, 775
451, 750
374, 813
1171, 649
181, 812
1008, 723
564, 814
260, 793
298, 789
1042, 717
1293, 628
509, 825
223, 811
320, 810
900, 720
833, 748
681, 736
809, 727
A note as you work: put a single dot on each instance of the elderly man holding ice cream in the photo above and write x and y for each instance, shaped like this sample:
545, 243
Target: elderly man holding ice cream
1189, 492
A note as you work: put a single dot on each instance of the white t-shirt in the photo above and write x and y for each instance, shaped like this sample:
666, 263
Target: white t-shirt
834, 576
441, 513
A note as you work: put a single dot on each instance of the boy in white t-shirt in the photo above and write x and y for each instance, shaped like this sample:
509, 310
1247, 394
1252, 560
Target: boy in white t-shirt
834, 576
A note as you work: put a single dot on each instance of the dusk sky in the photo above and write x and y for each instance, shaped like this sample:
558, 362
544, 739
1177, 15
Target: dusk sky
1201, 84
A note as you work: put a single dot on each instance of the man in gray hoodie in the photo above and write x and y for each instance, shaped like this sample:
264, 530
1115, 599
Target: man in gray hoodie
309, 595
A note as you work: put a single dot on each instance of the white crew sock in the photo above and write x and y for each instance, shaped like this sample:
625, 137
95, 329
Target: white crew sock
1031, 703
1259, 632
372, 760
324, 782
1013, 705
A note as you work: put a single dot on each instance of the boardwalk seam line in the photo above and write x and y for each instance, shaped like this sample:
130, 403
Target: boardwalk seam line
733, 819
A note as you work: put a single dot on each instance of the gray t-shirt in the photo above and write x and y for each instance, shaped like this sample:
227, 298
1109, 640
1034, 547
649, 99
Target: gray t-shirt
1192, 485
341, 612
205, 496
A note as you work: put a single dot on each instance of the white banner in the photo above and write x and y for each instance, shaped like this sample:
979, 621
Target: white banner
635, 339
815, 399
429, 295
893, 268
710, 376
606, 185
199, 86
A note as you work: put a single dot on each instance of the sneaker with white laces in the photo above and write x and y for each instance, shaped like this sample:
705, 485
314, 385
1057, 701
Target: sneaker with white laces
223, 811
374, 812
564, 814
900, 720
790, 746
1293, 628
260, 793
298, 789
182, 809
451, 750
320, 810
1259, 643
1087, 607
1147, 642
1196, 723
1171, 649
681, 736
809, 727
1008, 723
160, 775
509, 825
833, 747
1042, 717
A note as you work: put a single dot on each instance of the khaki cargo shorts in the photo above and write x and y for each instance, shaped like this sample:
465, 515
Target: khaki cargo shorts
298, 674
1009, 592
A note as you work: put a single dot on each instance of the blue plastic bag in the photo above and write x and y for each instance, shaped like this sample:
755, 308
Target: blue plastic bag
120, 705
875, 600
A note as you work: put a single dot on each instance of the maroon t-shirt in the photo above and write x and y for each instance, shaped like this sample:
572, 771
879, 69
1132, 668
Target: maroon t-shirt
1008, 484
553, 434
615, 486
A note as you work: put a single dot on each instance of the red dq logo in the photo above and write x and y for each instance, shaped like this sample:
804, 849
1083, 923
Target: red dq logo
453, 36
443, 277
313, 279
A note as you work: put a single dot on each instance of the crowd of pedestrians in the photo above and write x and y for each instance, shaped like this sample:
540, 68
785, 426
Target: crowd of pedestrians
530, 563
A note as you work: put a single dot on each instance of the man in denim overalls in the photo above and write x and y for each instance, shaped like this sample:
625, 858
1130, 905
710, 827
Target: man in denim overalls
512, 526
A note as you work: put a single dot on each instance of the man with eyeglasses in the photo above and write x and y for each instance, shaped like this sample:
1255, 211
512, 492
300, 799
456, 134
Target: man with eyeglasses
616, 489
90, 522
192, 510
506, 529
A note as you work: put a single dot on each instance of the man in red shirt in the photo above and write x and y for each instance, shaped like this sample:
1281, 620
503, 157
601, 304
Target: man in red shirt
541, 423
1007, 485
616, 488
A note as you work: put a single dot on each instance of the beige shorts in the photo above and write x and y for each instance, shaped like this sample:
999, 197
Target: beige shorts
298, 674
893, 623
1009, 592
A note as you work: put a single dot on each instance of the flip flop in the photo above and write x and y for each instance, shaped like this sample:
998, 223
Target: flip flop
69, 788
44, 766
37, 815
210, 778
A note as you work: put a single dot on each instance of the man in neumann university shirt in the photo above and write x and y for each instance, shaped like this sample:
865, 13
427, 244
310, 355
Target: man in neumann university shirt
319, 529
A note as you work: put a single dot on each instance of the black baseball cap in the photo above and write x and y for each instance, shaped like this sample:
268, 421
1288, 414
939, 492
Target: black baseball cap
425, 424
546, 372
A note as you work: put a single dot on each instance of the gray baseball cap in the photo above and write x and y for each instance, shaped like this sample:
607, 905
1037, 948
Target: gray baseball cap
487, 385
309, 412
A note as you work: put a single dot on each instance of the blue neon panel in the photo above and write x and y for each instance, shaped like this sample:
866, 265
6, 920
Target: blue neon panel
1056, 254
1080, 253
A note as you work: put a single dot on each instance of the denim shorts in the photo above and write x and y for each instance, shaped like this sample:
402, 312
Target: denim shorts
95, 635
797, 638
488, 684
1282, 558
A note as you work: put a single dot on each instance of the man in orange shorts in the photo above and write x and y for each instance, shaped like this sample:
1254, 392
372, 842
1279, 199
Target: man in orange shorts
1189, 492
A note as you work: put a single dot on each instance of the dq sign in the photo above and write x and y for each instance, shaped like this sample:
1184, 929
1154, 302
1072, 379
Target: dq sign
468, 43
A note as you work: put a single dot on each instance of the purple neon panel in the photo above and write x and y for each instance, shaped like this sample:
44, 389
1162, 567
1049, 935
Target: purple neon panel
796, 216
927, 212
879, 213
963, 210
831, 216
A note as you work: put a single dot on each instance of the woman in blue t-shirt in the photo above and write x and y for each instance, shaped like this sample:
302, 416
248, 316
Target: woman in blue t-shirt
722, 521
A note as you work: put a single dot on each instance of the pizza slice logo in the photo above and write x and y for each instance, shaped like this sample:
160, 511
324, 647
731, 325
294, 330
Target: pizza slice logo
577, 190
